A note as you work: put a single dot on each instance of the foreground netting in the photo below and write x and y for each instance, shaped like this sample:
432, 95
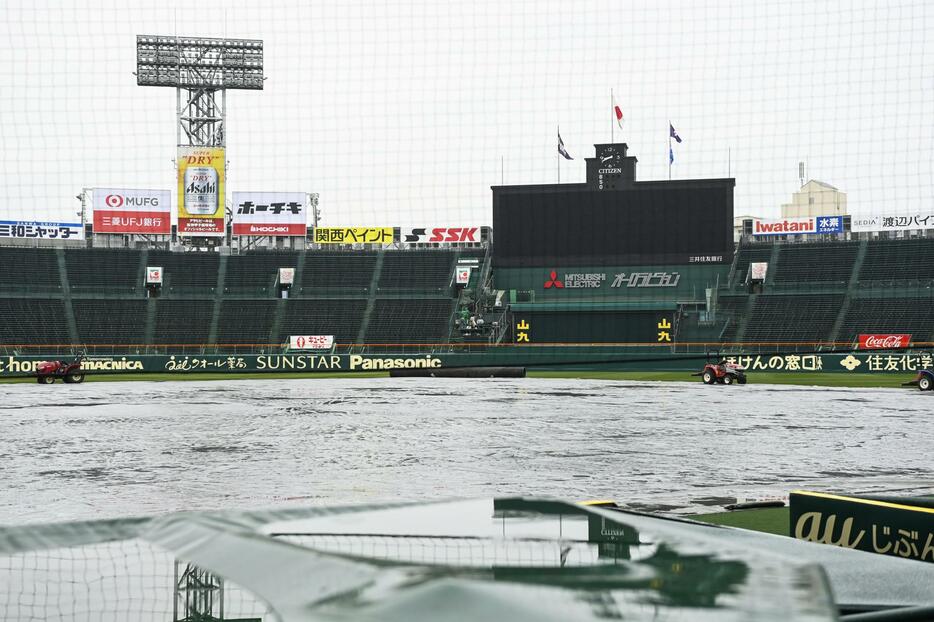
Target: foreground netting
504, 559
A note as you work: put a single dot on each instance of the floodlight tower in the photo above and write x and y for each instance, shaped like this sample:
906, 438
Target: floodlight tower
201, 70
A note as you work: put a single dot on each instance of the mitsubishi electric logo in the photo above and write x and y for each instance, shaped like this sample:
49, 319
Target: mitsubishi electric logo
553, 281
595, 280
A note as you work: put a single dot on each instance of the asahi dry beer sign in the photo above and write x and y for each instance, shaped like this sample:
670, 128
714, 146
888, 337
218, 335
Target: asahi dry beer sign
119, 210
201, 183
269, 213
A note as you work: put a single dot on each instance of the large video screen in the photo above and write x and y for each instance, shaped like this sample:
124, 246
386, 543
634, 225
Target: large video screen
638, 226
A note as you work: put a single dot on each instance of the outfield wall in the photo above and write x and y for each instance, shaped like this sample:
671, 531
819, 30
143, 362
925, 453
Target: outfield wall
555, 359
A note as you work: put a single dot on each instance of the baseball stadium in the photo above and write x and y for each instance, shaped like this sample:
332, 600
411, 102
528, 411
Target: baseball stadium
311, 371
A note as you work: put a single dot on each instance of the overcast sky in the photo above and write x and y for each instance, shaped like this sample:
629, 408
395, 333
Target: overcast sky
401, 112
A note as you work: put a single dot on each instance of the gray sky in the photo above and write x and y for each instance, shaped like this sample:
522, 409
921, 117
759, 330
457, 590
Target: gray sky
398, 112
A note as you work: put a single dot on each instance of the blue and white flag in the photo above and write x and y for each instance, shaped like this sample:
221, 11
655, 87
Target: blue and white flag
671, 156
673, 133
561, 148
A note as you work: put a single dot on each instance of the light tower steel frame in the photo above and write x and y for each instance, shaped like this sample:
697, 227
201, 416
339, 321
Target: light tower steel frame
201, 69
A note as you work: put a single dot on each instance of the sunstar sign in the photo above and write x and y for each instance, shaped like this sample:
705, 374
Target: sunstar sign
798, 226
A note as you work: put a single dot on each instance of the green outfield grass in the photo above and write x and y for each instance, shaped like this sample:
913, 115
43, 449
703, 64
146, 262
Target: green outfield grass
767, 520
820, 379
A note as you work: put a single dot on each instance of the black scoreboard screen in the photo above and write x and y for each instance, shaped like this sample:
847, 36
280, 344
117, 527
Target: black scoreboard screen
636, 226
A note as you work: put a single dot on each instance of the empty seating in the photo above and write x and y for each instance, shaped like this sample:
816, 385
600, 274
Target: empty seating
29, 270
826, 263
340, 318
245, 321
103, 269
914, 315
410, 321
786, 318
33, 321
110, 321
256, 273
898, 260
332, 273
183, 321
416, 271
187, 272
729, 315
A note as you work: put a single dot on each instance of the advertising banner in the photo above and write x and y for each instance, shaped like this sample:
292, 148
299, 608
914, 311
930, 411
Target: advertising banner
354, 235
884, 342
269, 213
899, 526
885, 222
28, 229
132, 211
201, 183
153, 275
758, 270
463, 275
798, 226
441, 235
286, 276
311, 342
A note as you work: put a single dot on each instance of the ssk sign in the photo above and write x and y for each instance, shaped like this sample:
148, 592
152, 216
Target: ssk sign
269, 213
884, 342
442, 235
119, 210
311, 342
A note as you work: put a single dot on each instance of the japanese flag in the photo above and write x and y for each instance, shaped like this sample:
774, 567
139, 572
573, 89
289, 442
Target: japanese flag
618, 113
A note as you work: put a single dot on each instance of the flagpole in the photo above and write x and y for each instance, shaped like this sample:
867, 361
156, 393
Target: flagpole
669, 150
559, 157
612, 114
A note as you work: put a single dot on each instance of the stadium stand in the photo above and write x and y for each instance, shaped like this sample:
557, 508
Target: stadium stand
192, 273
888, 261
824, 263
410, 321
245, 321
729, 309
30, 270
33, 321
417, 271
86, 266
792, 317
889, 315
349, 273
340, 318
183, 321
256, 273
110, 321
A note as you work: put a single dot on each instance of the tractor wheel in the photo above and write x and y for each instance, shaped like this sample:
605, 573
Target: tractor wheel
741, 379
45, 379
74, 378
708, 377
925, 383
728, 379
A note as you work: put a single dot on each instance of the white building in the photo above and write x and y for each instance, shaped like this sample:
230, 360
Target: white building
815, 198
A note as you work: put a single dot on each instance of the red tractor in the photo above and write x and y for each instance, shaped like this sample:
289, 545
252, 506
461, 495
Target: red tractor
70, 373
723, 373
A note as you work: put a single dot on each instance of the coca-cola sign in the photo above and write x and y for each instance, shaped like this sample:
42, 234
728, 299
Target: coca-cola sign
883, 342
